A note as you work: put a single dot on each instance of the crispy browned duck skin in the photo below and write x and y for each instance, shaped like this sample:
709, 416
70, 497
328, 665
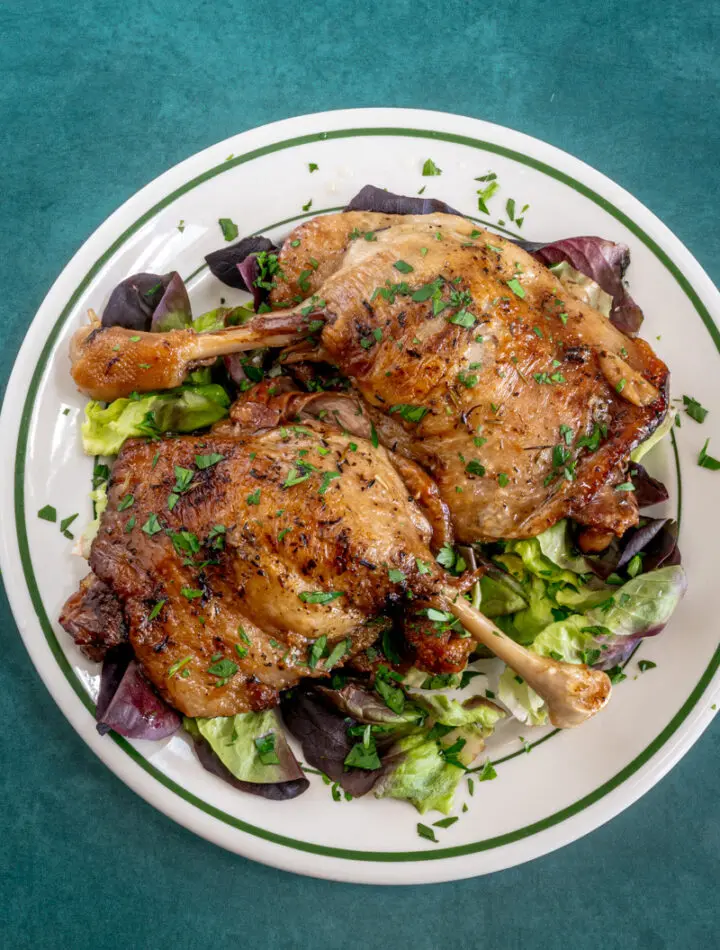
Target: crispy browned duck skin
343, 531
481, 394
340, 530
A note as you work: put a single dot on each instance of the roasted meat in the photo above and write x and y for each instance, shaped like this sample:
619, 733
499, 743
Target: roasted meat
471, 358
240, 551
94, 619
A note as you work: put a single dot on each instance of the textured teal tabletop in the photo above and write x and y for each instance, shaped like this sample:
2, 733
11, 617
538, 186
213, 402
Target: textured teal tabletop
97, 98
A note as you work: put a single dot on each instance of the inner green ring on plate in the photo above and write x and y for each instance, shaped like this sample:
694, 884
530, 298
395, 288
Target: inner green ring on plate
21, 456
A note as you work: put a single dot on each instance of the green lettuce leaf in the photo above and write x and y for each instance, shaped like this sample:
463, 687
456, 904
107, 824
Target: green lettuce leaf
99, 498
568, 640
176, 410
583, 287
451, 712
665, 427
523, 702
419, 679
643, 604
498, 599
539, 564
233, 740
418, 773
556, 545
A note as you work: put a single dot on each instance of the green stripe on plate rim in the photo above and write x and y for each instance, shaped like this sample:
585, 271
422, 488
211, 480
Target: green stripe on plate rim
26, 561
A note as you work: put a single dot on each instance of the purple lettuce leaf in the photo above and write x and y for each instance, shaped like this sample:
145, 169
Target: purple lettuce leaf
128, 704
655, 538
135, 300
225, 264
249, 271
651, 600
275, 791
371, 198
648, 490
173, 312
323, 733
603, 261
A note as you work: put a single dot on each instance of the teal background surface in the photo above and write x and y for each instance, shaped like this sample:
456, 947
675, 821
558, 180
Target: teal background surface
96, 99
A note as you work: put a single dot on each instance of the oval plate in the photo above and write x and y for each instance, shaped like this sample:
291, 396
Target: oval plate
573, 781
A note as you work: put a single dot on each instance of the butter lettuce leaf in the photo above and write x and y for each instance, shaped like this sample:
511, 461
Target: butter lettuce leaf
418, 773
523, 702
252, 746
183, 409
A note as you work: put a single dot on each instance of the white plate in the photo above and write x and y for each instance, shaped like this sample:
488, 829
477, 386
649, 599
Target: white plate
571, 783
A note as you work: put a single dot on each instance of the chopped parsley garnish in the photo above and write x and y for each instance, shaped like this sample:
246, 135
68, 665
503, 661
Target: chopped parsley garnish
184, 542
184, 476
408, 412
312, 167
403, 267
393, 696
229, 228
439, 616
449, 558
216, 537
426, 832
65, 524
307, 206
152, 525
463, 318
319, 596
295, 243
446, 822
224, 669
396, 577
510, 208
503, 479
485, 194
620, 385
265, 746
707, 461
156, 609
373, 437
422, 566
48, 513
516, 287
467, 379
298, 473
124, 503
191, 593
616, 675
178, 665
450, 754
337, 653
474, 467
625, 486
590, 657
644, 665
101, 473
694, 409
430, 168
254, 497
487, 773
363, 754
326, 479
566, 433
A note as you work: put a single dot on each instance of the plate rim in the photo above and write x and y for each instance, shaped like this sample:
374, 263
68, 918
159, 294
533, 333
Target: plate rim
518, 835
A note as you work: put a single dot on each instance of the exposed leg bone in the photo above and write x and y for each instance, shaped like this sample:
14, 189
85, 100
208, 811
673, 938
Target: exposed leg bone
572, 691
